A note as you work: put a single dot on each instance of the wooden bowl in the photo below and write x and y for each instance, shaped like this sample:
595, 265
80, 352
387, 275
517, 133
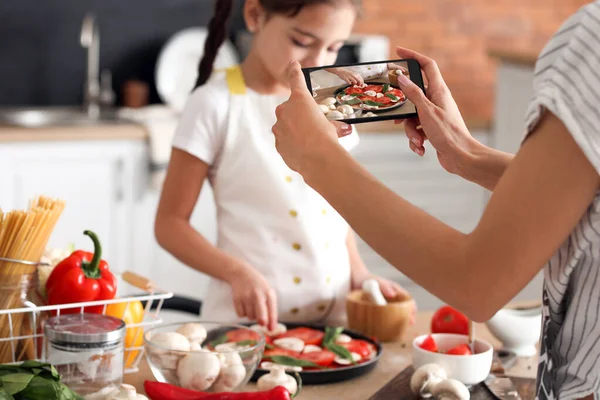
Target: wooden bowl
386, 323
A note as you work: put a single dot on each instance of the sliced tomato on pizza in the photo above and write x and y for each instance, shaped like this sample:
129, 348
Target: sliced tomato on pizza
307, 335
374, 88
361, 347
323, 358
353, 90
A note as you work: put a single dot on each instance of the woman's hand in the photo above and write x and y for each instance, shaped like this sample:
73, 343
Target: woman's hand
439, 120
350, 77
253, 297
303, 135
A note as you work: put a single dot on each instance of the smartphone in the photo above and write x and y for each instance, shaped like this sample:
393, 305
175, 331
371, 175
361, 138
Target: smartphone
363, 92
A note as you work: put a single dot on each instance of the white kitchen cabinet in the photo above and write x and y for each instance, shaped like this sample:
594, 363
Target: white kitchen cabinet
96, 179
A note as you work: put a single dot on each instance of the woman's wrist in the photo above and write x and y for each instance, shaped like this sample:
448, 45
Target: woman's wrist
483, 165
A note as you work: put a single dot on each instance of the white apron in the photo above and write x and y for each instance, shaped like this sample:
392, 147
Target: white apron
268, 216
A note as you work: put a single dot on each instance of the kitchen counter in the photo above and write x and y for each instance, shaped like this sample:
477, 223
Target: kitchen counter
119, 131
396, 356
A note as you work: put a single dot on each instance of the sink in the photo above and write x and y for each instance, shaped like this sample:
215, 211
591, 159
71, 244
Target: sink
55, 116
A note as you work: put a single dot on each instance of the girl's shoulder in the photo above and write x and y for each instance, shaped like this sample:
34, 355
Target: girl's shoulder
214, 93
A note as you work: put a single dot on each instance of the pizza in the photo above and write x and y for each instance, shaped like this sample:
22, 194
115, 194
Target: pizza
371, 97
302, 348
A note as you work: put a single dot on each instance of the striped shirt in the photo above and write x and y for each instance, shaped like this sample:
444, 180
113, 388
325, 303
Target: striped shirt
567, 83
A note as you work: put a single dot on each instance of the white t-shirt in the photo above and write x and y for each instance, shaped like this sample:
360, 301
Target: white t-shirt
567, 83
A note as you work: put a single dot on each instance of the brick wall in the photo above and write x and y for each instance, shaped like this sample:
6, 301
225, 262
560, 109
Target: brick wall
456, 34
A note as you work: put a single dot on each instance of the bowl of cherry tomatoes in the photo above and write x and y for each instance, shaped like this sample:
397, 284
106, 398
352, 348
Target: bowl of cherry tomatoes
453, 353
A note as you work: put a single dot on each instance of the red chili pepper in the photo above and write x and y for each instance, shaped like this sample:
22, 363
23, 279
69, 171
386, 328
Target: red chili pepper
165, 391
83, 276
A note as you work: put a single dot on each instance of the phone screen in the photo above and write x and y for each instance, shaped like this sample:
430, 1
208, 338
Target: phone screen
364, 92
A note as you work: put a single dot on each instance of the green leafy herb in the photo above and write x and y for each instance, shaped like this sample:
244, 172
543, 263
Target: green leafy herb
386, 87
269, 346
294, 362
33, 380
220, 340
352, 102
372, 103
391, 96
331, 333
340, 351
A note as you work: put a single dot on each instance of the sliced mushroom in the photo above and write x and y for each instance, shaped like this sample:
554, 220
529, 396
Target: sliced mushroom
268, 365
328, 101
343, 338
290, 343
344, 361
311, 348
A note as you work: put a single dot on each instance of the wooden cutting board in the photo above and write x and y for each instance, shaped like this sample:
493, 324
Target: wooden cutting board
399, 388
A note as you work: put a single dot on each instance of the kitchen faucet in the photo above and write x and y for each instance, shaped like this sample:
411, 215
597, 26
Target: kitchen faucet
90, 40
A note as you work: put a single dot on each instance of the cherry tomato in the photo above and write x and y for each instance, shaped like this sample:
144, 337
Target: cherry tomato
361, 347
307, 335
240, 335
324, 357
429, 344
375, 88
277, 351
353, 90
448, 320
460, 350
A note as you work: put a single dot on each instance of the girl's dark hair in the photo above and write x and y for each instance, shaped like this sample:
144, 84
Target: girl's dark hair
218, 26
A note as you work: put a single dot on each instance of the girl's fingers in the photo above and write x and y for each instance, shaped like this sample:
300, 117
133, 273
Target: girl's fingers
260, 310
239, 308
387, 289
272, 310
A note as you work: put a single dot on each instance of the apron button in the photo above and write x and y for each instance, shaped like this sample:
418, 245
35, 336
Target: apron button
322, 307
324, 211
288, 178
296, 246
293, 213
294, 311
328, 279
297, 280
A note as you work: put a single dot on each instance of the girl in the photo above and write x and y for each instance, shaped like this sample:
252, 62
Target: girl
358, 74
282, 251
544, 212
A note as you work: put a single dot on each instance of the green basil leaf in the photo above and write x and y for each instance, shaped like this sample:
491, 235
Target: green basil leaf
294, 362
40, 389
340, 351
352, 102
299, 385
269, 346
66, 393
220, 340
373, 103
386, 87
331, 333
391, 96
15, 383
4, 395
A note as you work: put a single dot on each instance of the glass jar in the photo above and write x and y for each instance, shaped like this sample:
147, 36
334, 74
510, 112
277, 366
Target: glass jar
20, 333
86, 350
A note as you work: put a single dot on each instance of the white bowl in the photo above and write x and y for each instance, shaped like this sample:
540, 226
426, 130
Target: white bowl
470, 370
518, 330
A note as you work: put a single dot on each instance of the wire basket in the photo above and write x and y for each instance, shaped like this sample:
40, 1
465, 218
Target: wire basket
36, 315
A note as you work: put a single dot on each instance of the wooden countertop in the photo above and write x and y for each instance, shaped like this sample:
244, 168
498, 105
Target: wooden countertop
396, 356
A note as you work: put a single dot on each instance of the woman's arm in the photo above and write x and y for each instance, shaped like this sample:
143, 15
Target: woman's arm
536, 204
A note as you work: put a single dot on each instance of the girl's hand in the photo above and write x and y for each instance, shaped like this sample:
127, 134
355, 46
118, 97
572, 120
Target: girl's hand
389, 289
350, 77
439, 120
253, 297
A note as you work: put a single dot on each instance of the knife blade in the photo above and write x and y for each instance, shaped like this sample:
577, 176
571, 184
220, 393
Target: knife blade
499, 384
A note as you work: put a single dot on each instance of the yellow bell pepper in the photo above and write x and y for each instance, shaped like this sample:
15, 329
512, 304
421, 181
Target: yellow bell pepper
131, 313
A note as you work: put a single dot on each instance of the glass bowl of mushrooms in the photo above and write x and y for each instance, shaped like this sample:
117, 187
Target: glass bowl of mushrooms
204, 356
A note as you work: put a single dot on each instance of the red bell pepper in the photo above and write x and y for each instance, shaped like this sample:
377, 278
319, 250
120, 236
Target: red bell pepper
164, 391
82, 277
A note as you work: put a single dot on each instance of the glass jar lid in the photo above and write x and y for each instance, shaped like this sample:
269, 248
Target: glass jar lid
84, 328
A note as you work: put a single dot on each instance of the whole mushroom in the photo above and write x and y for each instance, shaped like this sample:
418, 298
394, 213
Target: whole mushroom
198, 371
230, 377
194, 332
425, 378
451, 389
170, 348
277, 377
